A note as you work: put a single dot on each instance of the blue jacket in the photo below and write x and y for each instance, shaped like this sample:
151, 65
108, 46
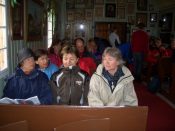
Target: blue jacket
126, 51
52, 68
22, 86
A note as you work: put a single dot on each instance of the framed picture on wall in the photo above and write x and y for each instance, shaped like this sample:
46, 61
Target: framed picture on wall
99, 2
141, 18
70, 15
153, 17
90, 4
121, 2
88, 14
110, 10
121, 12
142, 5
17, 21
80, 3
131, 8
167, 20
131, 20
34, 20
79, 14
70, 4
99, 11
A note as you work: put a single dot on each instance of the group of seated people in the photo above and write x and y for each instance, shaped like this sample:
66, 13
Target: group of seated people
81, 74
70, 74
157, 51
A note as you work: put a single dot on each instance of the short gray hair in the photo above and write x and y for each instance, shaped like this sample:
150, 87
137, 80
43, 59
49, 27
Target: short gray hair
114, 52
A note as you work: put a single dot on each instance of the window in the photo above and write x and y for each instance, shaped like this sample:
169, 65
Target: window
3, 36
51, 20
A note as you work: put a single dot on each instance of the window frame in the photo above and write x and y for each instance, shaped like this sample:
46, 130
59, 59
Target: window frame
50, 20
4, 72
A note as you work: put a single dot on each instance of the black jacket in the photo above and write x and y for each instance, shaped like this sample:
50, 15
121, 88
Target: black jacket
70, 86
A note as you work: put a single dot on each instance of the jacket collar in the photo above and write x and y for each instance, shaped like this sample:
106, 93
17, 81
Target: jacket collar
33, 74
127, 74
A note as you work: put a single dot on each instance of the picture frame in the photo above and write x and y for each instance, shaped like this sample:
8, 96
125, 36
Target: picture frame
99, 2
70, 4
17, 21
151, 7
141, 18
142, 5
80, 3
89, 4
130, 8
89, 14
79, 32
167, 20
70, 15
110, 10
153, 17
121, 3
79, 14
34, 20
131, 20
99, 11
121, 13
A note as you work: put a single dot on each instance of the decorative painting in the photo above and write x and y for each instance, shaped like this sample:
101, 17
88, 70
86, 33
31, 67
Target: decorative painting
99, 2
17, 21
89, 14
34, 20
121, 3
153, 17
121, 13
142, 5
98, 12
70, 4
131, 8
110, 10
70, 15
141, 18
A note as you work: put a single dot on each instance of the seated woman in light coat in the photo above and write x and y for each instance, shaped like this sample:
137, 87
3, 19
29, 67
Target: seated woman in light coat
112, 83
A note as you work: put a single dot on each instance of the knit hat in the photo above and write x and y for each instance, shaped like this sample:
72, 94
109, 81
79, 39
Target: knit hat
24, 54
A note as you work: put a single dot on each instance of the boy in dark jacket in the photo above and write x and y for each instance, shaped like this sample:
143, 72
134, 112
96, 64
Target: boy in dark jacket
70, 84
27, 81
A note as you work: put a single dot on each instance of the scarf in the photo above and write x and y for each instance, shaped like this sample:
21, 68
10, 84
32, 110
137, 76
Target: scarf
113, 79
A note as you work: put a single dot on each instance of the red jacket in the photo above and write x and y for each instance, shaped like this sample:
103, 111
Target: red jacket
87, 64
140, 41
153, 56
55, 59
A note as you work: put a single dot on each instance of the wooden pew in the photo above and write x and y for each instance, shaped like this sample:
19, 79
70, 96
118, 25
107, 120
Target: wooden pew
48, 118
15, 126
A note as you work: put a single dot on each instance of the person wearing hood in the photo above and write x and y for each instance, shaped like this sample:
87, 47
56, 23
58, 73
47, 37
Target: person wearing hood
112, 83
27, 81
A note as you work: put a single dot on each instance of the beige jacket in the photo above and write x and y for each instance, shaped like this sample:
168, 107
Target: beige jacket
101, 95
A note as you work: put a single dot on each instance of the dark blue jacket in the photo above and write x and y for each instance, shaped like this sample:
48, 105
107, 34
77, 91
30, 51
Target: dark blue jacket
22, 86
